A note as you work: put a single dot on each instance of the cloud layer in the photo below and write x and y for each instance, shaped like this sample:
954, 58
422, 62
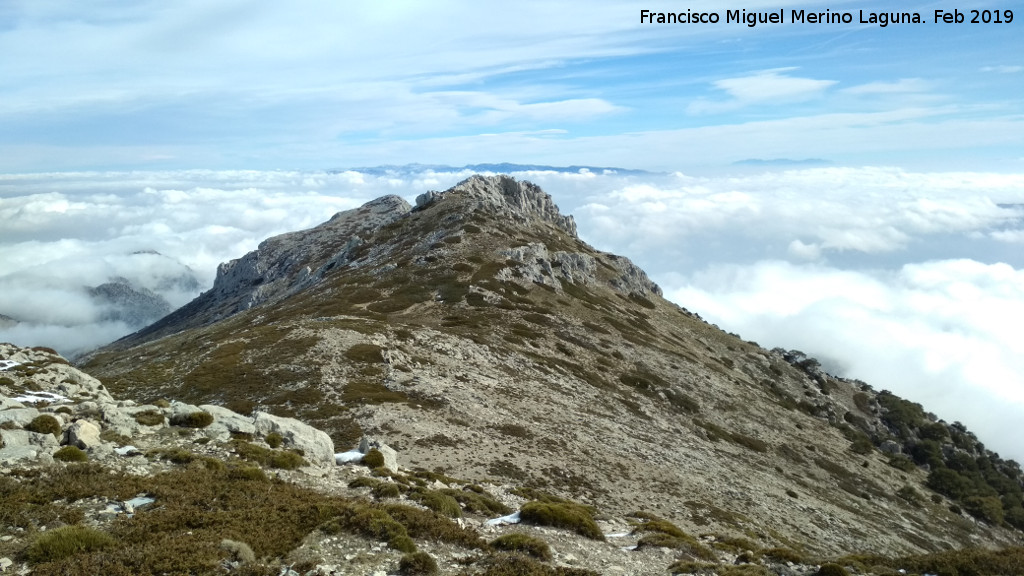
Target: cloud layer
910, 281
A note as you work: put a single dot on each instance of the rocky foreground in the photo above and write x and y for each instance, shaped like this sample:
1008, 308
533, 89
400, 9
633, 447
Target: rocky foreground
92, 484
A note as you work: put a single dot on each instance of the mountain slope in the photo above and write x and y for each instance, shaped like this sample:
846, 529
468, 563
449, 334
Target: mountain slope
478, 335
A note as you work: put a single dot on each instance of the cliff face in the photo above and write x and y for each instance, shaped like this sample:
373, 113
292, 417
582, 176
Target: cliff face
479, 335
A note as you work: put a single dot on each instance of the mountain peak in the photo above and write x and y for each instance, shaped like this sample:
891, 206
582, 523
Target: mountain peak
504, 195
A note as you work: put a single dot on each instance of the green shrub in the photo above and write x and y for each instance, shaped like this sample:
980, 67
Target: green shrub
373, 459
282, 459
65, 542
386, 490
44, 424
70, 454
150, 418
781, 555
832, 570
479, 502
199, 419
561, 515
519, 542
520, 565
664, 534
438, 502
274, 440
418, 564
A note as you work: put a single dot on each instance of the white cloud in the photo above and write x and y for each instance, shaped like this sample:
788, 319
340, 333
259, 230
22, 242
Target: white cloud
941, 333
1003, 69
767, 87
901, 86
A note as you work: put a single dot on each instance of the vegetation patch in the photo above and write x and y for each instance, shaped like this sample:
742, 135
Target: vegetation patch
198, 419
659, 532
282, 459
438, 502
150, 418
524, 543
418, 564
570, 516
70, 454
65, 542
44, 424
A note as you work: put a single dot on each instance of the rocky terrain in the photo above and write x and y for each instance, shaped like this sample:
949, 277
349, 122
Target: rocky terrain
502, 356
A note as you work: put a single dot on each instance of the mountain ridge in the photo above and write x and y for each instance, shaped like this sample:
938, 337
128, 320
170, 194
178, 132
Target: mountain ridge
477, 333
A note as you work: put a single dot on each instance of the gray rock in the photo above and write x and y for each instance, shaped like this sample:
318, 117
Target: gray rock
390, 457
229, 419
16, 454
18, 416
315, 444
7, 404
891, 447
83, 434
25, 438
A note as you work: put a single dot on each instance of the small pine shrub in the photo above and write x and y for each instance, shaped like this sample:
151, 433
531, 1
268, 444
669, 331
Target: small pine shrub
373, 459
150, 418
519, 542
418, 564
274, 440
70, 454
832, 570
386, 490
44, 424
199, 419
66, 541
438, 502
562, 515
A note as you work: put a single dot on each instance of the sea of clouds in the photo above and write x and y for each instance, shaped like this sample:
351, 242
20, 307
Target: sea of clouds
912, 282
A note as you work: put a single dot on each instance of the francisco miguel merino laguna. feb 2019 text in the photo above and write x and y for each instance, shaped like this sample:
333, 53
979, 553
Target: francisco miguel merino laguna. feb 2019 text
882, 19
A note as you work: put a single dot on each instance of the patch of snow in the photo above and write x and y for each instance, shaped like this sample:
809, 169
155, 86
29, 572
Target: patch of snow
617, 535
129, 506
630, 548
512, 518
125, 450
33, 397
8, 364
346, 457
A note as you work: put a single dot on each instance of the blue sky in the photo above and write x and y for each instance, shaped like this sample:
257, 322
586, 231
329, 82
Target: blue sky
318, 84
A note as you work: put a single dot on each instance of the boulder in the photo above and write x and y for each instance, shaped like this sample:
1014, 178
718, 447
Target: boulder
18, 416
20, 454
890, 447
315, 444
233, 421
83, 434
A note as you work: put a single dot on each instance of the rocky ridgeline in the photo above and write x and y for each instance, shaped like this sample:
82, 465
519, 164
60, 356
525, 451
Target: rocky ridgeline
46, 404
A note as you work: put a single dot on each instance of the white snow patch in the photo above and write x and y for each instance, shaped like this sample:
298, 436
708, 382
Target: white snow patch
346, 457
512, 518
8, 364
33, 397
125, 450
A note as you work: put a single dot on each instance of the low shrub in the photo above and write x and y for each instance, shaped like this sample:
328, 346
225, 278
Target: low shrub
240, 551
150, 418
781, 555
570, 516
520, 565
198, 419
70, 454
418, 564
386, 490
519, 542
282, 459
661, 533
44, 424
274, 440
66, 541
373, 459
832, 570
438, 502
477, 502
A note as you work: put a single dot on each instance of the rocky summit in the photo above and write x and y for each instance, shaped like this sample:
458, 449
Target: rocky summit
464, 386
